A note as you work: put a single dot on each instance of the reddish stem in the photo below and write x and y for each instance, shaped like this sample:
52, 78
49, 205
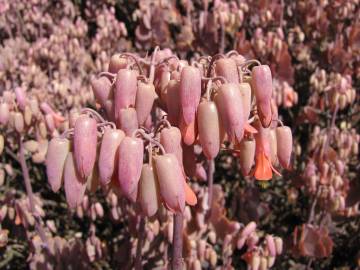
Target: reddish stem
177, 259
138, 259
30, 194
210, 179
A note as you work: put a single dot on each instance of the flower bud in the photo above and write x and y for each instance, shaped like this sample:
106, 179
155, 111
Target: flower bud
213, 258
42, 130
131, 152
20, 98
92, 181
248, 229
273, 147
108, 154
85, 141
201, 247
18, 122
246, 155
278, 245
125, 90
239, 59
171, 182
188, 132
145, 97
128, 121
196, 265
245, 91
34, 106
200, 173
189, 160
161, 81
57, 152
116, 63
2, 181
209, 128
190, 93
255, 261
161, 78
270, 245
75, 185
226, 67
46, 109
170, 138
229, 103
50, 124
99, 210
27, 115
261, 84
148, 191
73, 116
4, 113
241, 242
2, 141
284, 145
102, 89
263, 263
3, 238
173, 102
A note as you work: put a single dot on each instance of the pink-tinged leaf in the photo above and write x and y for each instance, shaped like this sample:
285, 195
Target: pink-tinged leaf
312, 241
74, 185
209, 128
85, 140
171, 182
109, 153
131, 152
190, 93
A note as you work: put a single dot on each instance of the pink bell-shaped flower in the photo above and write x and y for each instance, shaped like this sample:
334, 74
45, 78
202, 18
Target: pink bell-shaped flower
57, 152
131, 152
108, 154
171, 182
85, 140
190, 93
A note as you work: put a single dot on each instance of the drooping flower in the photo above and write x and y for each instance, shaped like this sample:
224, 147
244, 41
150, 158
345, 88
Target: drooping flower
263, 167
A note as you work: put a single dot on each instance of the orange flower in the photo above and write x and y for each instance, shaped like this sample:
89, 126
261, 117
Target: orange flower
263, 167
